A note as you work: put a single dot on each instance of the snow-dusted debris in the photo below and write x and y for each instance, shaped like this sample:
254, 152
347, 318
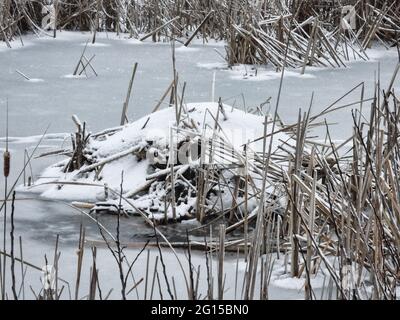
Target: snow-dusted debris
210, 137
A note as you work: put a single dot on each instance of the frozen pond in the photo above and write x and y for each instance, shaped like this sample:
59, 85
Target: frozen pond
98, 100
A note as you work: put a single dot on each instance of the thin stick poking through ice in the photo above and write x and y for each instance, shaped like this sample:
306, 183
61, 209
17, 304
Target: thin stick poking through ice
23, 75
124, 118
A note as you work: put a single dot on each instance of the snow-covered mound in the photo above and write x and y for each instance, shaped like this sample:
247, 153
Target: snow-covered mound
208, 144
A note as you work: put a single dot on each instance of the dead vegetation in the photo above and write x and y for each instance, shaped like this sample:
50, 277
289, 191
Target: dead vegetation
318, 33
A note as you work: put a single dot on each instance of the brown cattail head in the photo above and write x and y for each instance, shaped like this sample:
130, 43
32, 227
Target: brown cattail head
6, 168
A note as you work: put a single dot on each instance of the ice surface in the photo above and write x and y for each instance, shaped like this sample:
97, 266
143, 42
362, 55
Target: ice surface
99, 100
250, 73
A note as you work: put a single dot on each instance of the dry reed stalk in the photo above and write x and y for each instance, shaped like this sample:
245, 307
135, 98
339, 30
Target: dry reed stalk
221, 258
147, 274
80, 252
13, 281
6, 174
154, 278
124, 118
22, 287
93, 276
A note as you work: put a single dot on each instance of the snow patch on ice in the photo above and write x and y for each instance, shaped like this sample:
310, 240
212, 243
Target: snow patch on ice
251, 73
96, 44
129, 40
35, 139
281, 278
34, 80
287, 282
71, 76
184, 49
212, 65
209, 42
379, 53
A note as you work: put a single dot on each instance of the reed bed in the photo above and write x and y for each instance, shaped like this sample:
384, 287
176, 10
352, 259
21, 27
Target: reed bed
317, 33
